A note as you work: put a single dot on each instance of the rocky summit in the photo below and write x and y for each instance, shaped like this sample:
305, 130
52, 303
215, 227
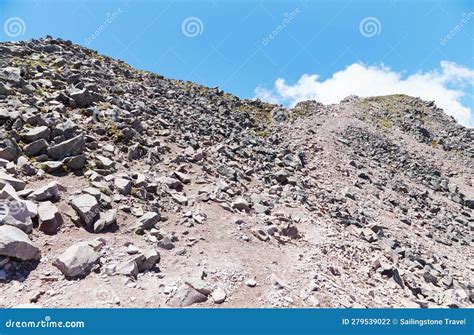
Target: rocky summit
119, 187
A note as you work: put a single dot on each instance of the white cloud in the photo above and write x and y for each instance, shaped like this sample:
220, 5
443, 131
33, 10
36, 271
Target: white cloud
446, 86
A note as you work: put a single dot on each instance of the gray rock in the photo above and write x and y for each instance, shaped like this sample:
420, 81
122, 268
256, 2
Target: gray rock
15, 243
36, 148
5, 89
87, 207
241, 204
124, 186
469, 203
14, 211
186, 296
251, 282
135, 151
103, 162
127, 268
95, 192
47, 192
24, 166
170, 182
83, 98
75, 162
147, 221
227, 172
109, 216
49, 218
37, 133
218, 295
8, 153
281, 176
9, 150
72, 147
152, 257
79, 259
99, 225
199, 285
105, 220
17, 184
166, 243
52, 166
183, 177
180, 199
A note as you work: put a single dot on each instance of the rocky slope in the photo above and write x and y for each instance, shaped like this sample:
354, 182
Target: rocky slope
119, 187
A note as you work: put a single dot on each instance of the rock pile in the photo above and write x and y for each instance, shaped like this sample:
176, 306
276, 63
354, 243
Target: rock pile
136, 190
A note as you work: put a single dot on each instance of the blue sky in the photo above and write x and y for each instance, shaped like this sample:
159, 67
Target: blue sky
231, 45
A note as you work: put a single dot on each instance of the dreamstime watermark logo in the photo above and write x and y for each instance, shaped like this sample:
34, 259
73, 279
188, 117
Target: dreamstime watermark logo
192, 27
288, 17
106, 294
466, 17
109, 115
370, 26
12, 207
14, 27
110, 18
46, 323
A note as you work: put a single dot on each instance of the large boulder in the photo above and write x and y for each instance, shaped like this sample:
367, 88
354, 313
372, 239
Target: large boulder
36, 148
79, 259
72, 147
87, 207
49, 218
8, 149
17, 184
37, 133
83, 98
15, 243
47, 192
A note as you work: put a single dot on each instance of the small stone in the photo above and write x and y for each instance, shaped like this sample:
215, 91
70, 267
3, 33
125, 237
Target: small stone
170, 182
127, 268
180, 199
75, 162
199, 285
251, 282
218, 295
183, 177
241, 204
49, 218
227, 172
186, 296
104, 162
277, 282
124, 186
166, 243
147, 221
132, 250
152, 257
281, 176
